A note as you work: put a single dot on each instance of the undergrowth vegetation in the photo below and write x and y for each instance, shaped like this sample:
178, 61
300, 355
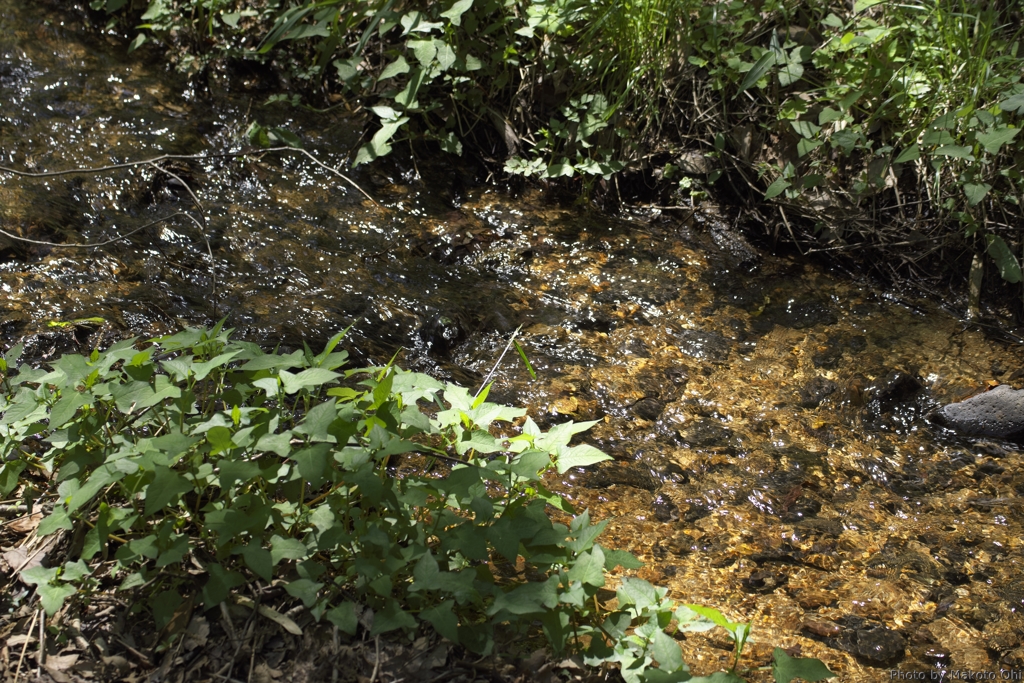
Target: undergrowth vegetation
839, 126
177, 471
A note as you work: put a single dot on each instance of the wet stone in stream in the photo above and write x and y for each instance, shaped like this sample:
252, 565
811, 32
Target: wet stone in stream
704, 345
816, 391
878, 645
801, 315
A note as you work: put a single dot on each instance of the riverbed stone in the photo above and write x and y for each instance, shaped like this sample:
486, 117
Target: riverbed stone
891, 389
816, 391
703, 344
875, 643
998, 413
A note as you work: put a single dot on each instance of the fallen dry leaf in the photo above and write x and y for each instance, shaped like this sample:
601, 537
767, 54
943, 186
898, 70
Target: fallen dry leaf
27, 524
61, 662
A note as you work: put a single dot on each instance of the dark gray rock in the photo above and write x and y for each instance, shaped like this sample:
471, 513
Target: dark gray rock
998, 413
887, 392
648, 408
816, 391
704, 345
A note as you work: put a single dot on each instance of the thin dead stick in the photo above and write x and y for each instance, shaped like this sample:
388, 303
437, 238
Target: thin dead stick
191, 157
790, 229
42, 645
91, 245
490, 374
202, 231
376, 661
24, 647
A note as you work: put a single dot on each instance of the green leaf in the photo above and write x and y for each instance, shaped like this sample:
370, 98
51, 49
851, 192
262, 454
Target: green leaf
163, 605
480, 441
67, 406
137, 42
258, 559
691, 621
98, 480
976, 192
667, 652
1009, 266
39, 575
27, 406
526, 361
385, 113
286, 136
232, 471
777, 188
620, 558
805, 128
417, 22
392, 618
790, 73
219, 439
73, 571
166, 486
786, 668
454, 15
911, 153
407, 98
312, 463
314, 377
957, 151
589, 568
304, 590
53, 597
861, 5
395, 68
344, 617
579, 456
273, 361
423, 50
805, 146
560, 169
636, 592
219, 584
832, 21
828, 115
757, 72
10, 473
58, 519
443, 620
1014, 103
282, 548
445, 54
527, 598
994, 140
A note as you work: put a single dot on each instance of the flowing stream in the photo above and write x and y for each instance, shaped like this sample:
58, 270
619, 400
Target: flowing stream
767, 418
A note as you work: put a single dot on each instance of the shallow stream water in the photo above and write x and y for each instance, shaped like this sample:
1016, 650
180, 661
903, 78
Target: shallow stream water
767, 419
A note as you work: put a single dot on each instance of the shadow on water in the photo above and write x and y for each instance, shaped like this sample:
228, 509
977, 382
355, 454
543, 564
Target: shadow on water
767, 419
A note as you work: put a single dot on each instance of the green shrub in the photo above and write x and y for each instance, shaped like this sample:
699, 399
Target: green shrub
201, 451
921, 98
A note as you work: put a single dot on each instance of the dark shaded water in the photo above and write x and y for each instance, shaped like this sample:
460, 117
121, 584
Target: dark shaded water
767, 418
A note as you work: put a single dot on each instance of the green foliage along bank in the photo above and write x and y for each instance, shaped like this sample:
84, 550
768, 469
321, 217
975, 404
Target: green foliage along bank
885, 127
186, 467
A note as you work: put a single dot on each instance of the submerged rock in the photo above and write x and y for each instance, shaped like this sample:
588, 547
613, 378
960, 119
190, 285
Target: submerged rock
998, 413
887, 392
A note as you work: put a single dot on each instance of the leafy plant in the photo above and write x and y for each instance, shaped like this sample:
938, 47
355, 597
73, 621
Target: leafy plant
195, 456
